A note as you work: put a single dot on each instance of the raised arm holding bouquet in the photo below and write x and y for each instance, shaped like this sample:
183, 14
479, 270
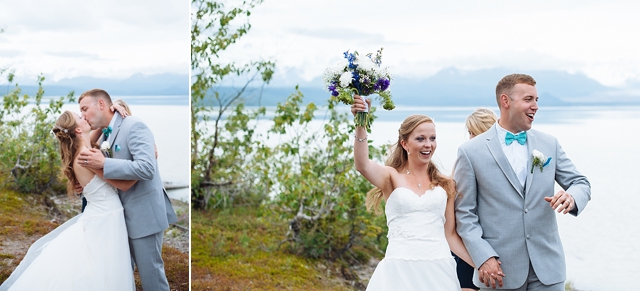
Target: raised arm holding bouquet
360, 76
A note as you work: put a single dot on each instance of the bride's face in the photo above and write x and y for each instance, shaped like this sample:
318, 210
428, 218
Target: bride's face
83, 125
421, 142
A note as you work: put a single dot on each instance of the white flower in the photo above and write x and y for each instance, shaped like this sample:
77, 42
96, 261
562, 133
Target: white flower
367, 65
539, 160
345, 79
105, 146
539, 155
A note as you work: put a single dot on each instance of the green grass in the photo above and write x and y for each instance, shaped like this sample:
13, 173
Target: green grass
238, 249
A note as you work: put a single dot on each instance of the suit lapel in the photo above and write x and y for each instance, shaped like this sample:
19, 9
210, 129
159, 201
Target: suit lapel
531, 145
115, 130
493, 143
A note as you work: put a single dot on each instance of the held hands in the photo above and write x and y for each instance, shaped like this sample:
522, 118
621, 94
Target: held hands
91, 158
358, 105
490, 273
561, 202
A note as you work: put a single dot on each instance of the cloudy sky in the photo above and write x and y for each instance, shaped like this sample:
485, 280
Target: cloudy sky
597, 38
105, 38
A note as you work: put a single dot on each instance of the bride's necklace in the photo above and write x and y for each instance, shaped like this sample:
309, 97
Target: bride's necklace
414, 179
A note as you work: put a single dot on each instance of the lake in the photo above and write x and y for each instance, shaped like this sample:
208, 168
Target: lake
170, 125
600, 244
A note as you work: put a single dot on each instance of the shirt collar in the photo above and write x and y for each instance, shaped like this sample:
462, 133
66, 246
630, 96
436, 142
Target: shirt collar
502, 133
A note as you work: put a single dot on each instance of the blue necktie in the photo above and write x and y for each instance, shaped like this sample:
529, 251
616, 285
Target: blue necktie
106, 131
520, 137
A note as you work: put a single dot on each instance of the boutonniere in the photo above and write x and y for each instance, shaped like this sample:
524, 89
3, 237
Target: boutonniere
539, 160
105, 147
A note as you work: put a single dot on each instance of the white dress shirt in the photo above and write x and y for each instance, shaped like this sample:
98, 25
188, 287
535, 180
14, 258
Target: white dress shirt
516, 154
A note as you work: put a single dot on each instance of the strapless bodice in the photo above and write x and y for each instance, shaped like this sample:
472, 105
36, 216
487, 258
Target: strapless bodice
101, 197
416, 224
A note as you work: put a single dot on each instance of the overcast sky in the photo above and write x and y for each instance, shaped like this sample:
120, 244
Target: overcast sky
597, 38
105, 38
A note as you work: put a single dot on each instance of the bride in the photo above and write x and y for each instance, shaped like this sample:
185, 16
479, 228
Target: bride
419, 210
91, 250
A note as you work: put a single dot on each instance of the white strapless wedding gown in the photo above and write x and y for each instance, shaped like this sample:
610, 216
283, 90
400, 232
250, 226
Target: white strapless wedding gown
417, 256
88, 252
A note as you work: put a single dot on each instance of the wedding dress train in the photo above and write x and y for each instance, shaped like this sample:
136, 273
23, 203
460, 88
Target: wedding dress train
88, 252
417, 256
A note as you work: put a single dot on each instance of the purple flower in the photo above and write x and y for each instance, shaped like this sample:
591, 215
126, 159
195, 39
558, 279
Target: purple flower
383, 84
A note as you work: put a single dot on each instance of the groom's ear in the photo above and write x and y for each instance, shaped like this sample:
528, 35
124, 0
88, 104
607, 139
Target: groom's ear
504, 101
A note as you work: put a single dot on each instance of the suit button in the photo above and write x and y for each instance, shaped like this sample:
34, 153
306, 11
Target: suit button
526, 210
528, 236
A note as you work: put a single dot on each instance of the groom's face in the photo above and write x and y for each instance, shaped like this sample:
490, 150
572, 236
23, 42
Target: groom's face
91, 111
523, 105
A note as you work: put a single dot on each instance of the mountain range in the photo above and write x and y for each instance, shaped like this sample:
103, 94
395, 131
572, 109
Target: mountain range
453, 87
448, 87
174, 88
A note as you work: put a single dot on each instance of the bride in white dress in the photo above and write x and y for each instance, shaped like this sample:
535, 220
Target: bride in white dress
419, 209
91, 250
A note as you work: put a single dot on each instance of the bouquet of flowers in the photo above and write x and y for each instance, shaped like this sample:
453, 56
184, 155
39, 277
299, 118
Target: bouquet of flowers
359, 76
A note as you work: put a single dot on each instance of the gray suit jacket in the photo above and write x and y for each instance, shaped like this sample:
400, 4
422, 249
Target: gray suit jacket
497, 216
147, 209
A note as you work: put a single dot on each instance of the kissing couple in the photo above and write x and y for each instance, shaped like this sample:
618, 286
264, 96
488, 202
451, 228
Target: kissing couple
127, 212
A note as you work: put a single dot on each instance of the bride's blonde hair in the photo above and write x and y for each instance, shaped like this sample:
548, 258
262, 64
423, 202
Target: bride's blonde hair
398, 160
64, 130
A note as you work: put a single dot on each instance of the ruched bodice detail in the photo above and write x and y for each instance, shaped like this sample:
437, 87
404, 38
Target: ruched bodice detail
416, 224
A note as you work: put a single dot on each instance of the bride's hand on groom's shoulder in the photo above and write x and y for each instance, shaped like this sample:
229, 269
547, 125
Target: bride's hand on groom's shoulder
91, 158
118, 107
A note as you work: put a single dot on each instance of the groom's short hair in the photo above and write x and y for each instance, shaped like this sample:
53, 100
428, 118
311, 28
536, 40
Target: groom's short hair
98, 94
509, 81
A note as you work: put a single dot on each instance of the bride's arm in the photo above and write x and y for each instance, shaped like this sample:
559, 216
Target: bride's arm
453, 239
123, 185
379, 176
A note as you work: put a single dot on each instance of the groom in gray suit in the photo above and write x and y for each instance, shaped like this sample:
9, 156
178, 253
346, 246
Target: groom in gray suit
506, 210
131, 156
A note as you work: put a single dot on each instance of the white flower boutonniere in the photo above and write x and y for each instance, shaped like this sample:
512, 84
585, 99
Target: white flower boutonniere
539, 160
105, 147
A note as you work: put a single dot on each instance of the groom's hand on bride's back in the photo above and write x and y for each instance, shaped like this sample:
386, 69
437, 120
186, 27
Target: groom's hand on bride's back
78, 188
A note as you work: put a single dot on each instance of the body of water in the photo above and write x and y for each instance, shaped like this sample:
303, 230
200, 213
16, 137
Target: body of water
600, 244
170, 126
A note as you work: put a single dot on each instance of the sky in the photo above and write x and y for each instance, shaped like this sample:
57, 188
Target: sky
420, 38
105, 38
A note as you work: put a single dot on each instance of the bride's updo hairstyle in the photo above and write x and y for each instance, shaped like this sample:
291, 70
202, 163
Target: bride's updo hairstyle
64, 130
399, 158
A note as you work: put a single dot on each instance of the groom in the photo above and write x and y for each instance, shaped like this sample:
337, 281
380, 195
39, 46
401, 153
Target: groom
506, 211
131, 156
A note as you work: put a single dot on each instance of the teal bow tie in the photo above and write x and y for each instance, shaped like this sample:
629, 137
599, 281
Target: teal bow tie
106, 131
520, 137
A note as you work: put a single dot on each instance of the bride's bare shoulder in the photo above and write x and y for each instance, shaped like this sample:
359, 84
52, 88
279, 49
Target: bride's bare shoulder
83, 175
